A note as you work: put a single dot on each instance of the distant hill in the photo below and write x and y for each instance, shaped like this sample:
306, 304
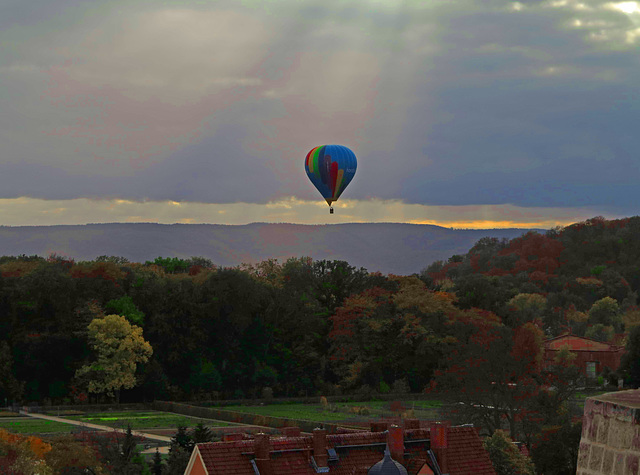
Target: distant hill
386, 247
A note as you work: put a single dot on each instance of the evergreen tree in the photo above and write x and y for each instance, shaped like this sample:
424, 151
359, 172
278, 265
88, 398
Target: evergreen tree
183, 439
158, 466
201, 433
128, 446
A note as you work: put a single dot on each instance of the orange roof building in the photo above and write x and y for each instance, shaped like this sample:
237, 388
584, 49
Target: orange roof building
591, 356
412, 450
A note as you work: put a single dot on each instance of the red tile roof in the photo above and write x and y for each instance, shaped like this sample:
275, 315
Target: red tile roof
292, 455
466, 455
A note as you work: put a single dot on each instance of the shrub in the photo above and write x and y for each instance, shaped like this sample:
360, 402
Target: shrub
505, 456
267, 393
401, 386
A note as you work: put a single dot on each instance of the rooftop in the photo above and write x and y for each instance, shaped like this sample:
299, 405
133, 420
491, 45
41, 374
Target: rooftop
352, 453
629, 398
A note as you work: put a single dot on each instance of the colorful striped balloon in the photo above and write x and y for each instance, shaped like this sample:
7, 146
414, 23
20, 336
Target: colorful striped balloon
330, 168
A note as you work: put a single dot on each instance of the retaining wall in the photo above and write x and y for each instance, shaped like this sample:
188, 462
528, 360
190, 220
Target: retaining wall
243, 418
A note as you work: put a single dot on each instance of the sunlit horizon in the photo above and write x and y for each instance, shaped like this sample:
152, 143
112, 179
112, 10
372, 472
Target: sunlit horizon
27, 211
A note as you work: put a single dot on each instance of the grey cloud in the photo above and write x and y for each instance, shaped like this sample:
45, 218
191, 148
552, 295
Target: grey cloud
471, 103
213, 170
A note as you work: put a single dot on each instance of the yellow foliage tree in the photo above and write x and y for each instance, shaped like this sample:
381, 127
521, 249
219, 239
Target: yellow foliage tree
413, 293
526, 308
119, 347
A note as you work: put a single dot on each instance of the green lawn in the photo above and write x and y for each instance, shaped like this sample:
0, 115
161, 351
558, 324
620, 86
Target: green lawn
305, 412
27, 425
145, 420
339, 412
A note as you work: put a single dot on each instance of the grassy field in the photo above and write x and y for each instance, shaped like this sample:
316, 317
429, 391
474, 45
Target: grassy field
27, 425
295, 411
340, 412
145, 420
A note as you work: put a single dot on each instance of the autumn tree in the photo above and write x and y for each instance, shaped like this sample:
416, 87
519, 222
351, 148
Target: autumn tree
119, 348
70, 455
20, 454
506, 457
492, 371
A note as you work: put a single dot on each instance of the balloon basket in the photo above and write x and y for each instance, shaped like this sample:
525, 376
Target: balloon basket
331, 210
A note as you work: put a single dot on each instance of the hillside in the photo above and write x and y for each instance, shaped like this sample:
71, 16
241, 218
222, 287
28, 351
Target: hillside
386, 247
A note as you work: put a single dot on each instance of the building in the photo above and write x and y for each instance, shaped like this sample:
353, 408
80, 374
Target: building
591, 356
384, 449
610, 442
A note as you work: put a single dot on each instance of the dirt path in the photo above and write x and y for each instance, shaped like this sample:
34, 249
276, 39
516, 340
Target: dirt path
146, 435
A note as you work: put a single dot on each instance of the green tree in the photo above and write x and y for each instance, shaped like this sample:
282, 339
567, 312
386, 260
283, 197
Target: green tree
119, 347
556, 450
10, 387
606, 312
201, 433
177, 461
171, 265
182, 445
157, 467
630, 365
124, 306
506, 457
525, 308
600, 332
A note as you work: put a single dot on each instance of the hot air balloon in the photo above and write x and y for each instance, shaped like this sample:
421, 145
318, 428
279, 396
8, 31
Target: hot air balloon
330, 168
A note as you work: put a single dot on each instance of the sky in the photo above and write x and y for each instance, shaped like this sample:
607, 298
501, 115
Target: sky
462, 113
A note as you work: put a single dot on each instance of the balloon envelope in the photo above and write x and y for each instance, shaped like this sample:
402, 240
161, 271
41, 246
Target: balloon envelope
330, 168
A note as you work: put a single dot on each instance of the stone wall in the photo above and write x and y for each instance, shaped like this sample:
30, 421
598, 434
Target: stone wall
610, 442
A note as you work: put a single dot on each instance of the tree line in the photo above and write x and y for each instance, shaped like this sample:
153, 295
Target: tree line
304, 327
470, 328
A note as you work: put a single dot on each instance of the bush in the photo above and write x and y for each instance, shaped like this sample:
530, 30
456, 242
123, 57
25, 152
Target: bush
401, 386
267, 393
365, 391
506, 457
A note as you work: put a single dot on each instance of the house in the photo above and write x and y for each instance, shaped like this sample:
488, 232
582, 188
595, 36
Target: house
591, 356
439, 449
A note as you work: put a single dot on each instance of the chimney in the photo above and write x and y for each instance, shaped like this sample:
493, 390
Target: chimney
291, 431
230, 436
411, 424
377, 426
396, 443
439, 443
320, 455
262, 447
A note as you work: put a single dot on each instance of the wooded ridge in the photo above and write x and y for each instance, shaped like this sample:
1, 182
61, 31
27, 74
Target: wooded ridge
393, 248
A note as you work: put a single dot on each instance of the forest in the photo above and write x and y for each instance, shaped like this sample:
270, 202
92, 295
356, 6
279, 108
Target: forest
196, 331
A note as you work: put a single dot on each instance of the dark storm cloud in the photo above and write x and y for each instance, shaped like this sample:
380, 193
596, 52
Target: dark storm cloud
209, 171
518, 108
531, 103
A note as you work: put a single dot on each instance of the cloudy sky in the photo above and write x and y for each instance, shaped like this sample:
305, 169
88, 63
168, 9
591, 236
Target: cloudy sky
462, 113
